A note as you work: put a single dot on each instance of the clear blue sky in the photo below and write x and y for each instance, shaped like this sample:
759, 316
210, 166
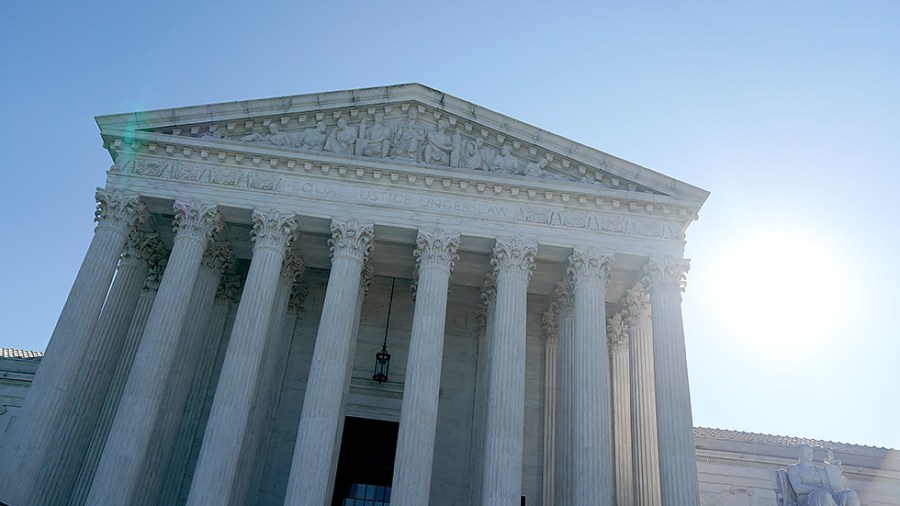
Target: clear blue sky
788, 112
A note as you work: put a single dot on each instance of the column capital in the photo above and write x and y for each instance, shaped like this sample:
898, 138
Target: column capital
292, 267
549, 321
141, 247
196, 220
218, 257
298, 295
589, 266
273, 229
229, 289
488, 293
119, 211
436, 249
637, 304
366, 276
158, 259
564, 295
351, 239
666, 273
514, 257
617, 332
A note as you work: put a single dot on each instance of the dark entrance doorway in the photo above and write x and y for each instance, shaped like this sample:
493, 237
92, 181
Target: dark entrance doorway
366, 463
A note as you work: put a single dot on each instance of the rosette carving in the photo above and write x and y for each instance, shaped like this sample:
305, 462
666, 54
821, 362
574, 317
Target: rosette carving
514, 257
589, 266
292, 267
617, 333
637, 304
350, 239
196, 220
272, 229
119, 211
666, 273
218, 257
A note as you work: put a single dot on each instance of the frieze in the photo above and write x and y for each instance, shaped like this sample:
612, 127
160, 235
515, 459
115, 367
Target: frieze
281, 182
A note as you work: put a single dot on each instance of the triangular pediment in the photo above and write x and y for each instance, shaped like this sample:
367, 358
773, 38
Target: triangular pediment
403, 124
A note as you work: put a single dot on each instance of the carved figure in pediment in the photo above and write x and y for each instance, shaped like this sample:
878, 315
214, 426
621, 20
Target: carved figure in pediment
439, 145
342, 139
277, 137
536, 169
214, 132
374, 140
506, 162
312, 138
477, 156
457, 149
409, 137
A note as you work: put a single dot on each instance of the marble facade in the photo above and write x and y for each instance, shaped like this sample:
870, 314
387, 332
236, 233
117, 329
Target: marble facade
227, 313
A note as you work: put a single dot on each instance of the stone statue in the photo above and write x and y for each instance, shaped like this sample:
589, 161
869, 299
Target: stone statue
374, 140
277, 137
506, 162
439, 145
409, 137
536, 169
816, 485
457, 149
214, 132
342, 139
477, 155
312, 138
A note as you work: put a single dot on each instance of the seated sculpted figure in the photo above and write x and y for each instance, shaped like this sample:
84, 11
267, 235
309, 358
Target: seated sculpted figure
409, 137
817, 485
342, 139
374, 140
312, 138
439, 145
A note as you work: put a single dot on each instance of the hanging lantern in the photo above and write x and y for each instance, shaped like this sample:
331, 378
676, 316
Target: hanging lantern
383, 358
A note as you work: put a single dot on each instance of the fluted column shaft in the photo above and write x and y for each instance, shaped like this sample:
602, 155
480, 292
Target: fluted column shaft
117, 384
551, 340
140, 435
71, 440
411, 485
482, 379
644, 438
201, 335
621, 407
592, 473
27, 444
505, 421
309, 482
564, 393
278, 345
231, 439
677, 453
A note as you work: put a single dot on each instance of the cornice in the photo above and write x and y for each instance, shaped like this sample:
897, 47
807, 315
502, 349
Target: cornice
243, 116
269, 161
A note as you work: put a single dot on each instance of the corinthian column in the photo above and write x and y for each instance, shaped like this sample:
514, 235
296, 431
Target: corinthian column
309, 481
157, 263
147, 418
505, 421
677, 454
231, 439
617, 332
435, 256
644, 439
71, 440
592, 476
27, 444
564, 298
550, 337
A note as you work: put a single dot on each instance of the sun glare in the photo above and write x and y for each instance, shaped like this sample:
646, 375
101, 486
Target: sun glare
780, 289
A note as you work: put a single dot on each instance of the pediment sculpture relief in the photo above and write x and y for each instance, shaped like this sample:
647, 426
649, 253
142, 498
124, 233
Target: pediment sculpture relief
408, 139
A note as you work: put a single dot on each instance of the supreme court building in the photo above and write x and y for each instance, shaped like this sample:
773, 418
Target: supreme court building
384, 295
